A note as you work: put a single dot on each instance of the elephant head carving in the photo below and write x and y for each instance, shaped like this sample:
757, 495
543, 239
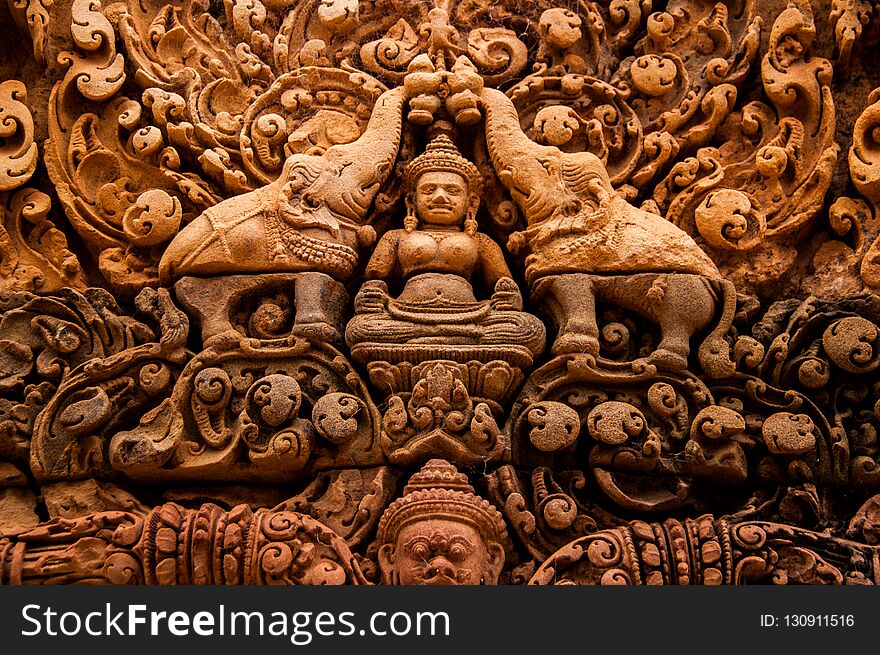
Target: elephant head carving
312, 218
584, 241
577, 223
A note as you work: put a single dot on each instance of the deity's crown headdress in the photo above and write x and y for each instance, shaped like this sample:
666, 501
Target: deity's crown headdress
442, 155
439, 491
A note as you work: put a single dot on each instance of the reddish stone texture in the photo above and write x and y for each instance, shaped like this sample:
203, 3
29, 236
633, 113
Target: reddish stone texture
459, 292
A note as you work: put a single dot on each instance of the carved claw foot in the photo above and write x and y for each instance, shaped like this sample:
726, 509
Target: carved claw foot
668, 359
572, 343
319, 330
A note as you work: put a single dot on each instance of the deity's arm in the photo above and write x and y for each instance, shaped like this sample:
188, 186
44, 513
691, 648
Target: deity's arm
384, 258
492, 266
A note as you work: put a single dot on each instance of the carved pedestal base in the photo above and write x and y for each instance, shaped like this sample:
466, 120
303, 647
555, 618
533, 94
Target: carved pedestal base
444, 408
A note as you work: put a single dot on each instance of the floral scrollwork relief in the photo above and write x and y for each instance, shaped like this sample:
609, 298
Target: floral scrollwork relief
439, 292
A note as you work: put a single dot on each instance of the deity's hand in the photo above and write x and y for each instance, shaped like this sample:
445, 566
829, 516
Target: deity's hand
516, 242
507, 296
371, 298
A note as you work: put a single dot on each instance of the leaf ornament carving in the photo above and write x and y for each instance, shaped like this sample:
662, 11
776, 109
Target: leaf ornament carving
216, 547
18, 154
34, 254
758, 185
849, 17
33, 17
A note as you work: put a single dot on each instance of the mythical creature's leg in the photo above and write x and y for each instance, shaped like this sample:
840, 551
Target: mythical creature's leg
570, 299
320, 301
210, 301
682, 305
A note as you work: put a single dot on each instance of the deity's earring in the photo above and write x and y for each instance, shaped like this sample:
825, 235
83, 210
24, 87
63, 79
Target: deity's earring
470, 222
410, 221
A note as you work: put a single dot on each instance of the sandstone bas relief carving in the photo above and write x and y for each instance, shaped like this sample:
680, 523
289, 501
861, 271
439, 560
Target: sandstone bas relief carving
439, 292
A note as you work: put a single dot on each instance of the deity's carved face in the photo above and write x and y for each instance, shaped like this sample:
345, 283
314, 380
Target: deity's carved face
441, 198
441, 552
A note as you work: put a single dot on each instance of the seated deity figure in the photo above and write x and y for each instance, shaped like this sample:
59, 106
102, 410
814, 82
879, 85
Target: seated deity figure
437, 255
440, 533
308, 226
